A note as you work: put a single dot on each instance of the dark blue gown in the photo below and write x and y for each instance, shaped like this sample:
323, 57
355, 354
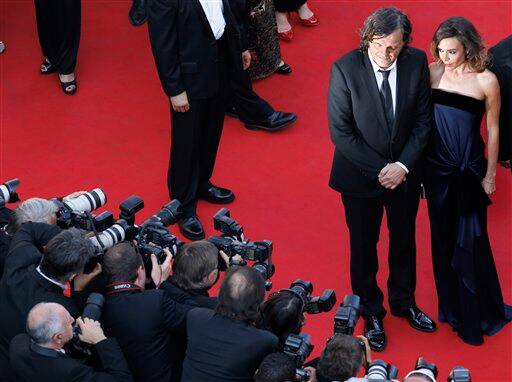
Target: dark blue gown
468, 288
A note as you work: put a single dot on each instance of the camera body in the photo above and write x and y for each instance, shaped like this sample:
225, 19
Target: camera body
76, 212
298, 347
347, 315
459, 374
8, 192
223, 222
258, 251
313, 305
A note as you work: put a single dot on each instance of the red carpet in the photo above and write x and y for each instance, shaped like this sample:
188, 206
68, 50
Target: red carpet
114, 134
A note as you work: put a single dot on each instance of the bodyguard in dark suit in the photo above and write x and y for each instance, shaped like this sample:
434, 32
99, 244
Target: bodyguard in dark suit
144, 322
31, 277
379, 120
196, 45
39, 355
501, 65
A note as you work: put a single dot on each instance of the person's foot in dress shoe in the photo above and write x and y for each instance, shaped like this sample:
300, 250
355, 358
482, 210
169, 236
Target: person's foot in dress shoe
417, 319
231, 112
277, 121
374, 332
2, 47
283, 68
191, 228
137, 14
216, 195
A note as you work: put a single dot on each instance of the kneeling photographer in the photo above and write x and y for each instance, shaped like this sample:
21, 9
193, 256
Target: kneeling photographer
225, 345
40, 355
143, 321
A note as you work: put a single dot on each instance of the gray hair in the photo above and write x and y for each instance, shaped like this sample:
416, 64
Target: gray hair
47, 324
32, 210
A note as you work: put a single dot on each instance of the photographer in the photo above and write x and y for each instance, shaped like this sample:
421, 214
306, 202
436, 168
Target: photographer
39, 355
194, 272
31, 277
275, 367
34, 210
283, 315
342, 358
225, 344
143, 321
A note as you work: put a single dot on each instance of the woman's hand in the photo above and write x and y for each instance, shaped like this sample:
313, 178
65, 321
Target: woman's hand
489, 185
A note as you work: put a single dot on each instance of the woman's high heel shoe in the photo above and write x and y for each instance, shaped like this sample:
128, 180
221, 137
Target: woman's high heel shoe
47, 67
310, 22
284, 69
286, 36
69, 87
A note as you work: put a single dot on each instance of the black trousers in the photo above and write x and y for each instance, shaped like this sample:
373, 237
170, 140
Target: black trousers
364, 217
195, 138
288, 5
58, 28
249, 105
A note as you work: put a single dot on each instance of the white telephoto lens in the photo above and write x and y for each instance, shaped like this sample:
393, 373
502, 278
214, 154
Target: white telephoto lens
88, 201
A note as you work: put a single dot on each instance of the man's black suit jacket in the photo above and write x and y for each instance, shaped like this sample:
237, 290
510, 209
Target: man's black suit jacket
144, 323
185, 49
220, 349
363, 142
31, 362
22, 286
502, 67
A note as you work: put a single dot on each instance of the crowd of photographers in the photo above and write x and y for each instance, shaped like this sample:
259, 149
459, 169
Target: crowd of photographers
87, 298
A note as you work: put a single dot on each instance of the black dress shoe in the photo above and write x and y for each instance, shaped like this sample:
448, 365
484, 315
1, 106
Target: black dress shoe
417, 319
217, 195
374, 332
277, 121
284, 69
191, 228
137, 14
231, 112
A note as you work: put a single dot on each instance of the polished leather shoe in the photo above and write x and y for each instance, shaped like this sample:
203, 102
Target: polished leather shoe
217, 195
310, 22
277, 121
191, 228
374, 332
417, 319
286, 36
137, 14
284, 69
232, 112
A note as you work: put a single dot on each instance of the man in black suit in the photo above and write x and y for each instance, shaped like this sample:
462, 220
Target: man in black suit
144, 322
225, 345
502, 66
196, 46
31, 277
379, 120
39, 355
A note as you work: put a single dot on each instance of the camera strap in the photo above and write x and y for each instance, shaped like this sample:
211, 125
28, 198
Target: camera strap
121, 287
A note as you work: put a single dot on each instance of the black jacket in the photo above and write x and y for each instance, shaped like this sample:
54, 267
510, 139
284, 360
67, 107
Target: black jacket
22, 286
502, 66
31, 362
357, 124
185, 49
5, 239
220, 349
144, 322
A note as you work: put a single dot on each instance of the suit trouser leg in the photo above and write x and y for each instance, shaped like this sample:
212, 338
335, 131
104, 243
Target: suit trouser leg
249, 105
364, 217
401, 208
184, 166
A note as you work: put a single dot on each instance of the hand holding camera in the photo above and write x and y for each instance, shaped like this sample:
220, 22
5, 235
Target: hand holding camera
161, 272
91, 331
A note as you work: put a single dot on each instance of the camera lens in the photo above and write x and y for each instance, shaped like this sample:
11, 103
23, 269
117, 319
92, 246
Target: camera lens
111, 236
88, 201
7, 190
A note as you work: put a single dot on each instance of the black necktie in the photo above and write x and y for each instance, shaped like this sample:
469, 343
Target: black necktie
387, 99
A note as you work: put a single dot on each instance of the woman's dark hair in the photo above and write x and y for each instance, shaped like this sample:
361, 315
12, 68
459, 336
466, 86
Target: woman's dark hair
383, 22
464, 31
241, 293
282, 314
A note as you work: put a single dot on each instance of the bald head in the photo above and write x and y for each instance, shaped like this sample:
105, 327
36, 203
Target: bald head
45, 320
241, 294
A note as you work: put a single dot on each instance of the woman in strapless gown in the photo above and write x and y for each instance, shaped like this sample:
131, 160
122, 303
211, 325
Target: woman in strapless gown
459, 181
